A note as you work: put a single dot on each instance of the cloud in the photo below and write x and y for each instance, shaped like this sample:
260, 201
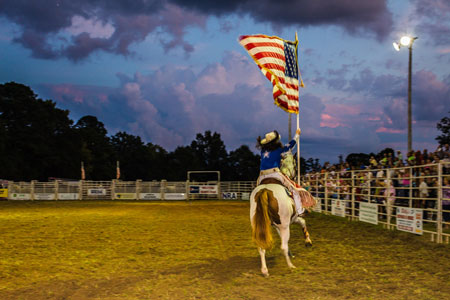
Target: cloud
368, 16
83, 27
171, 104
433, 20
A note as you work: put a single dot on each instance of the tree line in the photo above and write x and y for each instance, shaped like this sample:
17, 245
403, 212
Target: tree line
39, 141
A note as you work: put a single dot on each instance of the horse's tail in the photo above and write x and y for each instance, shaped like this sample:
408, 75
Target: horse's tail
261, 231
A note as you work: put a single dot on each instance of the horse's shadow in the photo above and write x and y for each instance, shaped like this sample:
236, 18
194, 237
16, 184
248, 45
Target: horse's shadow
222, 270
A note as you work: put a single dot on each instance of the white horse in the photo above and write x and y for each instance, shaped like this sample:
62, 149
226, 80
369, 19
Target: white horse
270, 205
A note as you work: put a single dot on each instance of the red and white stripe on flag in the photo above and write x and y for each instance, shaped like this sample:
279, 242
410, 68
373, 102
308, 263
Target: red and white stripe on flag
277, 60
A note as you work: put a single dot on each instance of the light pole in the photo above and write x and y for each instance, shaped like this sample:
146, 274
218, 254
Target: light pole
407, 41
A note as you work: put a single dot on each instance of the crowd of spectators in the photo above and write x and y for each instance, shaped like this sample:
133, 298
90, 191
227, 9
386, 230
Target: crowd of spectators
391, 180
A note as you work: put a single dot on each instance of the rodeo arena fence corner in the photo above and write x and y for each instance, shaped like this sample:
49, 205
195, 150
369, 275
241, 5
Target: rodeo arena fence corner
396, 198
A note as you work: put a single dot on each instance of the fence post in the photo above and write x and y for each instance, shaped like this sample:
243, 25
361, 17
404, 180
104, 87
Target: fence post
439, 204
187, 191
138, 189
353, 194
410, 187
56, 189
326, 191
162, 189
80, 189
113, 189
32, 189
387, 195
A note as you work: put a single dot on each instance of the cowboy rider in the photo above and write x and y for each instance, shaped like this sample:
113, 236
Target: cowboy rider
271, 150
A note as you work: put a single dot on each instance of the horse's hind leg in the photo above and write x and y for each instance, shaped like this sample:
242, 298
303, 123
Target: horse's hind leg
302, 222
285, 234
289, 250
264, 269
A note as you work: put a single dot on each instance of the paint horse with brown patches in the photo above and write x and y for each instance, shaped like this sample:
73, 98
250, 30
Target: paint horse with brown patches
270, 205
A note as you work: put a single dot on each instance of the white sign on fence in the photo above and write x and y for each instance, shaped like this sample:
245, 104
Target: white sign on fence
338, 208
409, 220
20, 196
125, 196
44, 196
150, 196
229, 195
209, 189
203, 189
318, 206
96, 192
368, 212
68, 196
174, 196
245, 196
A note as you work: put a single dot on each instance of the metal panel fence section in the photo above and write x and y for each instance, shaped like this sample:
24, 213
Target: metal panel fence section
20, 190
129, 190
426, 189
97, 190
423, 188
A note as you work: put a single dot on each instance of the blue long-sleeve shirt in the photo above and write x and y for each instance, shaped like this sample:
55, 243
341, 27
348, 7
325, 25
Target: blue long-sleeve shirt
272, 159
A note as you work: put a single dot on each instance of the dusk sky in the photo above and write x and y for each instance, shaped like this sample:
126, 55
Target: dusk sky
167, 70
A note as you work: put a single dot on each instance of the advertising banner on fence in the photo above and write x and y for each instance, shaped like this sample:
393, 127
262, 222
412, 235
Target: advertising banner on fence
126, 196
318, 206
245, 196
368, 212
410, 220
97, 192
149, 196
175, 196
229, 195
203, 189
3, 193
44, 196
20, 196
68, 196
338, 208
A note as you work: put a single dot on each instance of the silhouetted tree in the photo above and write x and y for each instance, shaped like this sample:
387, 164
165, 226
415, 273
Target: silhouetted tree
37, 138
358, 159
244, 164
96, 150
444, 127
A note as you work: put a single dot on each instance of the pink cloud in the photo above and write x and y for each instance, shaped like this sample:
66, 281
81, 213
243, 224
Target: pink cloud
389, 130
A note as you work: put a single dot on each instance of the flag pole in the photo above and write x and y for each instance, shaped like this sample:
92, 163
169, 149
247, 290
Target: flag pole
298, 115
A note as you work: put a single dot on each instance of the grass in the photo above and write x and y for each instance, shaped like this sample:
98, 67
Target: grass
202, 250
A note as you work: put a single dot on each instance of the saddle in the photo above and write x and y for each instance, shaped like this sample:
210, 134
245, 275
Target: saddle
275, 181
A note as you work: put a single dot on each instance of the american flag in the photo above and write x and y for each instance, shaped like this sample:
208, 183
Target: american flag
277, 60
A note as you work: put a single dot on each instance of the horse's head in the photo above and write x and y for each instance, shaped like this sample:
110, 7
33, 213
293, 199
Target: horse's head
288, 164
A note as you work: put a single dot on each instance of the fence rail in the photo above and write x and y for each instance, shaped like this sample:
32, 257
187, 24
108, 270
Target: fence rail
128, 190
423, 190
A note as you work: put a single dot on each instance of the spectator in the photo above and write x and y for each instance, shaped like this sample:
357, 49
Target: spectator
389, 198
446, 202
411, 158
399, 155
423, 195
373, 162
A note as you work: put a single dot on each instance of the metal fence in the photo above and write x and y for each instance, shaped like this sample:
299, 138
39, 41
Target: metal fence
128, 190
423, 190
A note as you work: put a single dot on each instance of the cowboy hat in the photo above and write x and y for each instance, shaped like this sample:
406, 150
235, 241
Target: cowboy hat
270, 137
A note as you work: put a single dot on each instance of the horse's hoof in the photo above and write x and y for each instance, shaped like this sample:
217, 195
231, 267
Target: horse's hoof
266, 275
308, 244
292, 267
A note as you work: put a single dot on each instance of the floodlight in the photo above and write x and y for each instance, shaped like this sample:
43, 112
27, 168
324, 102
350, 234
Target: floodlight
396, 46
405, 41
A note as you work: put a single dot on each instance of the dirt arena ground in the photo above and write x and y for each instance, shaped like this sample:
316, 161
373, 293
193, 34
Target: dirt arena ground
203, 250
